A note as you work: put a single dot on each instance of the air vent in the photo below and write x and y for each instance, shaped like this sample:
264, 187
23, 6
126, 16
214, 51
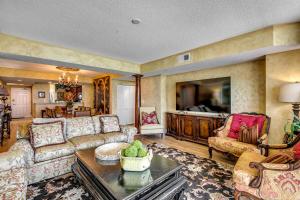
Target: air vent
186, 57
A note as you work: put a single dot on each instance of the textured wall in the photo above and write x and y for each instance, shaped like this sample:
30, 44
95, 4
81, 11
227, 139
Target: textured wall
40, 87
280, 69
88, 95
154, 94
23, 47
247, 85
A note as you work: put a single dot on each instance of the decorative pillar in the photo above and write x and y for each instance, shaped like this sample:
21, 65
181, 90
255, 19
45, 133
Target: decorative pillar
137, 100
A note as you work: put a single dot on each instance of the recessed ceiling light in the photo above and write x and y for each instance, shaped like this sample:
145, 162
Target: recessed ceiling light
19, 80
135, 21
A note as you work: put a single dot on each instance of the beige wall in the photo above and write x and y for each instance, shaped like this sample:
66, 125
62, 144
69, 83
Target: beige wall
40, 87
154, 94
88, 95
247, 85
280, 69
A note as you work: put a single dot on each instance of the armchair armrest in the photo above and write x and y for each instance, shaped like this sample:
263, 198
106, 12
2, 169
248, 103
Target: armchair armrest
130, 131
266, 147
24, 146
261, 167
220, 132
263, 139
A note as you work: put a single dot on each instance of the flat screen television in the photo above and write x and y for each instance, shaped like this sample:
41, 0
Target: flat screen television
209, 95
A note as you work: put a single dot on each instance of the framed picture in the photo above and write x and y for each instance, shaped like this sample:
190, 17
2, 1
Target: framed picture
41, 94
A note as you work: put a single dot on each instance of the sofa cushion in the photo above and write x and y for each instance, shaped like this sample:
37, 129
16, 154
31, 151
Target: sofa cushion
97, 124
79, 126
110, 124
54, 151
115, 137
44, 134
87, 141
242, 173
46, 120
230, 145
152, 126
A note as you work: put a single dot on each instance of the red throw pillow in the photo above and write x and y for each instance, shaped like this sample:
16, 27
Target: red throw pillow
296, 151
149, 118
239, 120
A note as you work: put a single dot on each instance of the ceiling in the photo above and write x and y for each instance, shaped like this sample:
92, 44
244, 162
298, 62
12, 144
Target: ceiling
42, 67
167, 26
22, 81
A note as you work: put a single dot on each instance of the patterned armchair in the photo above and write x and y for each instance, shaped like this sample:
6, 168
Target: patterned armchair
256, 180
231, 146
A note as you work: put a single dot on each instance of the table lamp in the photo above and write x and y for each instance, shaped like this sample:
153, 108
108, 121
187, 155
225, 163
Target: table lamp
290, 93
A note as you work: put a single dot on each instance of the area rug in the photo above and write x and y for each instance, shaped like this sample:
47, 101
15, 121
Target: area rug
207, 179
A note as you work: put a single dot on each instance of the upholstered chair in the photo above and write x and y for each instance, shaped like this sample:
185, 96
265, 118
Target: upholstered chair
150, 129
258, 180
233, 148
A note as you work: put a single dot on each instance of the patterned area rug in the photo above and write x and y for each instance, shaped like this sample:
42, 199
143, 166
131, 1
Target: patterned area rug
207, 179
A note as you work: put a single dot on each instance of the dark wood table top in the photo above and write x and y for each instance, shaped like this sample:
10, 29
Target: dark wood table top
122, 184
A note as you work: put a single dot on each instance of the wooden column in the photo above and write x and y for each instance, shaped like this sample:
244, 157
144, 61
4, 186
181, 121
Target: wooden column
137, 100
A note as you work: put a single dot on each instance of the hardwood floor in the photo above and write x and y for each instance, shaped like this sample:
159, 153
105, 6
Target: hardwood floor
193, 148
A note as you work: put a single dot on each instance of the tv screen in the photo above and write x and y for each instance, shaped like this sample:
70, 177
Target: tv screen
209, 95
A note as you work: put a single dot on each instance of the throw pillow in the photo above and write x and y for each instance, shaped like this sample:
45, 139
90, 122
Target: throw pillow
238, 120
296, 150
248, 134
44, 134
109, 124
279, 158
149, 118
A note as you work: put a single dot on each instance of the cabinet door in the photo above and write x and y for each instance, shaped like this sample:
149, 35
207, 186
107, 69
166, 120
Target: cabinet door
174, 124
169, 122
187, 127
204, 127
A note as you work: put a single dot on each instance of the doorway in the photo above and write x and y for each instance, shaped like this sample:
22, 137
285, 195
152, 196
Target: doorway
20, 102
125, 103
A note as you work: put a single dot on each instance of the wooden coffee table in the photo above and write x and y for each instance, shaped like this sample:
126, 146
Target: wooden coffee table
108, 181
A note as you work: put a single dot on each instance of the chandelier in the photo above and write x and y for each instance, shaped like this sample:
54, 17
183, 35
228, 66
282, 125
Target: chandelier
67, 79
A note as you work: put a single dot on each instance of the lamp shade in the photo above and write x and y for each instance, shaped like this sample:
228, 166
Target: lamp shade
3, 92
290, 93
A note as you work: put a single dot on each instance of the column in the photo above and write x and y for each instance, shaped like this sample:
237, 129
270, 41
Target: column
137, 100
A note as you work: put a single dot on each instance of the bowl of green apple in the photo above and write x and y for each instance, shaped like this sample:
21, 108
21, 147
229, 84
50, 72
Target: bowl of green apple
136, 157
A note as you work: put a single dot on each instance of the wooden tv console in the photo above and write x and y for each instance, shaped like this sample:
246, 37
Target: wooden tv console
192, 127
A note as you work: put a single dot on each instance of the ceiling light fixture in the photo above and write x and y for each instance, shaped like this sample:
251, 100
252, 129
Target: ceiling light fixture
19, 80
65, 80
135, 21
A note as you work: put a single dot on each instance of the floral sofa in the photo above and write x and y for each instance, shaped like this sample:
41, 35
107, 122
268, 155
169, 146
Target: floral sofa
23, 164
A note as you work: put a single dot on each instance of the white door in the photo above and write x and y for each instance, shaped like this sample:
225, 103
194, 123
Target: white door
20, 102
125, 104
